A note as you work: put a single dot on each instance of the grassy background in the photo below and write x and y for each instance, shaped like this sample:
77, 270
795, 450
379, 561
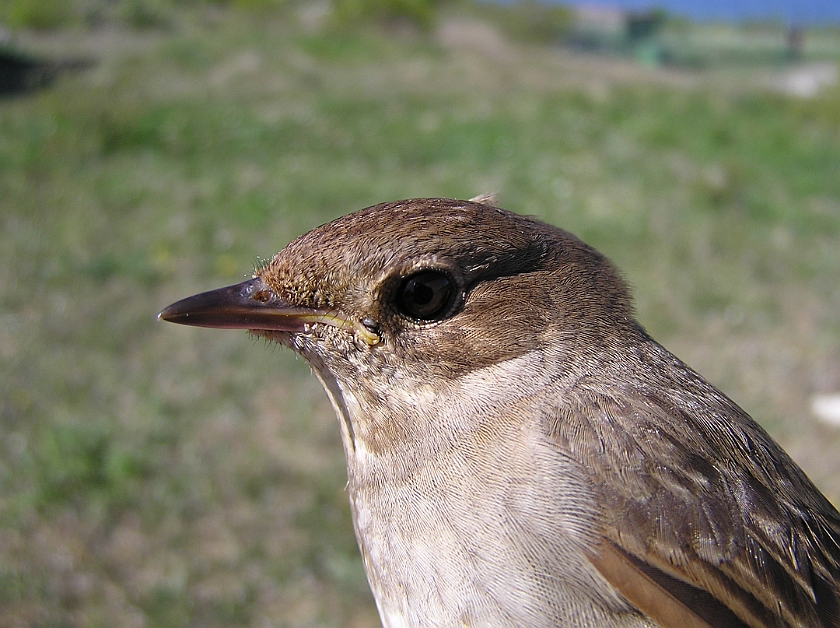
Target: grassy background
153, 475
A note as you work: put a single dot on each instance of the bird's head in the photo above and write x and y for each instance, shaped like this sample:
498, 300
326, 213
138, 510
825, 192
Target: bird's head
408, 306
450, 285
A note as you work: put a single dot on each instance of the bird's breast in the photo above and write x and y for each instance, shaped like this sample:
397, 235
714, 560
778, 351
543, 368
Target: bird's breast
487, 526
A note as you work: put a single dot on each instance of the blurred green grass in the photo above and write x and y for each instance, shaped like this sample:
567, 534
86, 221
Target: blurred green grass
160, 476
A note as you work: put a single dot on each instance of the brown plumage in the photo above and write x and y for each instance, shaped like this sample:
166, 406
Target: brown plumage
520, 452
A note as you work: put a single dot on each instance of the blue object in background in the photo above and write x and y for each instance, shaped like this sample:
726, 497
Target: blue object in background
796, 12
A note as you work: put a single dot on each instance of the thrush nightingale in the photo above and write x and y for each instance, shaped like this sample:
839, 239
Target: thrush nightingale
520, 452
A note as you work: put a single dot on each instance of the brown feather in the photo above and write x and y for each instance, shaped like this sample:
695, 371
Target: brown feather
693, 489
671, 603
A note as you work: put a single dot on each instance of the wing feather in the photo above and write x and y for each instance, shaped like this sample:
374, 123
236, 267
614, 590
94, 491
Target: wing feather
666, 600
699, 501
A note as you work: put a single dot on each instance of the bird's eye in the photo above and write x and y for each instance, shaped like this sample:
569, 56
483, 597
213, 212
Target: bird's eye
426, 295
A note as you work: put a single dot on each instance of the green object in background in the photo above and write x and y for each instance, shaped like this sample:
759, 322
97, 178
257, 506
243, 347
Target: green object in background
648, 53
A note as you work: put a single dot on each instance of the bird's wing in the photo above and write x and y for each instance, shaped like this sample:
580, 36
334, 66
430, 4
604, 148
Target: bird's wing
707, 521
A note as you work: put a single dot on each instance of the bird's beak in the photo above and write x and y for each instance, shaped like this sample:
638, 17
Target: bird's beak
253, 305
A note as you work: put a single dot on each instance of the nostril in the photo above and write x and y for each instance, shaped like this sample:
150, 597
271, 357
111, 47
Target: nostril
263, 296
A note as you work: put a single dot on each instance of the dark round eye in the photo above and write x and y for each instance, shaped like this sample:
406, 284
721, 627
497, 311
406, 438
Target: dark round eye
426, 295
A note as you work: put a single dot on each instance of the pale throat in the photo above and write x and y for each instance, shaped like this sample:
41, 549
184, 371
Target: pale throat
422, 416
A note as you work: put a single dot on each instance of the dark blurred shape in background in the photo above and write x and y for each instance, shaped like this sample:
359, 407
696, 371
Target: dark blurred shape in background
21, 73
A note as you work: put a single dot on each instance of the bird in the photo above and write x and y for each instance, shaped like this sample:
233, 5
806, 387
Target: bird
520, 451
